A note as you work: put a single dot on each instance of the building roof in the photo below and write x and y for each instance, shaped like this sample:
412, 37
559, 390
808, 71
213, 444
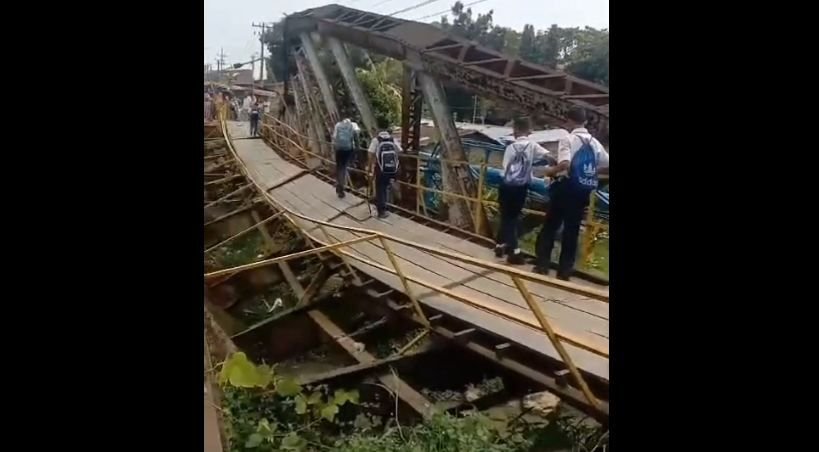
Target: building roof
236, 76
542, 136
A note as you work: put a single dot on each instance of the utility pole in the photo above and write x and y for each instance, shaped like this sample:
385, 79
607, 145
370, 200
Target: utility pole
262, 26
474, 108
220, 62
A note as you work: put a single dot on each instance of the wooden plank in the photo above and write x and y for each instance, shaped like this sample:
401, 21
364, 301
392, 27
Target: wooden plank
313, 200
599, 365
527, 336
392, 381
422, 265
413, 231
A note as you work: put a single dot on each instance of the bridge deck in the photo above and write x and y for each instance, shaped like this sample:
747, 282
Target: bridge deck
581, 317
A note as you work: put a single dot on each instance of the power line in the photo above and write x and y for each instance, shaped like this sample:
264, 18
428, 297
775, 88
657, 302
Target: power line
380, 3
424, 3
447, 10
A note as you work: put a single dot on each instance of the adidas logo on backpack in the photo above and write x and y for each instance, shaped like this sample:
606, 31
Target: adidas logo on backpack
583, 168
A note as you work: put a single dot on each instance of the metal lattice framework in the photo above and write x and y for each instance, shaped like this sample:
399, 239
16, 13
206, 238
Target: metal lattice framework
487, 72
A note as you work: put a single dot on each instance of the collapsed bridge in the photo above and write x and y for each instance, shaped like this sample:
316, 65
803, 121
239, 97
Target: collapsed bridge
435, 271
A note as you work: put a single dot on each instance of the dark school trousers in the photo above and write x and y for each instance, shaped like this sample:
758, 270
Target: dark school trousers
566, 208
511, 201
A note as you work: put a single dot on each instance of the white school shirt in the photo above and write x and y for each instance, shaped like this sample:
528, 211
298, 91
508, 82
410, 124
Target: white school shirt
534, 151
568, 147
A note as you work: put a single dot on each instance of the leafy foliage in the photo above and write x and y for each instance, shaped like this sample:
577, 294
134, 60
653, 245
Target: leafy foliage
381, 84
583, 52
264, 419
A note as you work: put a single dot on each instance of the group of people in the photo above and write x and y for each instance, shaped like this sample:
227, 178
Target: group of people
580, 158
247, 109
382, 160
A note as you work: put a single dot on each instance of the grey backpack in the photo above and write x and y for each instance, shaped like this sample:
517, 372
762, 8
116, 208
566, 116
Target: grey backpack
519, 170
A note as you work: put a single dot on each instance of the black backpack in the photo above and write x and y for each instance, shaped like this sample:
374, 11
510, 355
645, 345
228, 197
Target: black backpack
386, 156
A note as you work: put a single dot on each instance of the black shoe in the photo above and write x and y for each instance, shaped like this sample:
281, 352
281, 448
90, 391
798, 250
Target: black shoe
515, 259
500, 250
383, 215
341, 194
562, 277
541, 270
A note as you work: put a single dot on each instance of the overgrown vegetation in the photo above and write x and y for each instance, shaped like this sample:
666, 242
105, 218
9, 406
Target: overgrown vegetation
267, 412
243, 250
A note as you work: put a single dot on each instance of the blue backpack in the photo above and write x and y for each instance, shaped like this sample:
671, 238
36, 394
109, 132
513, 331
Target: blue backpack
583, 168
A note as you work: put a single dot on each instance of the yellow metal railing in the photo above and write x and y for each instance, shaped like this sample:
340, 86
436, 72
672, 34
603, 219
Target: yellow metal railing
285, 137
342, 249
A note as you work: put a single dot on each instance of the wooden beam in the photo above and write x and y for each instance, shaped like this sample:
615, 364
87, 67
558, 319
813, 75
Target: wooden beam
314, 286
263, 263
501, 349
291, 279
228, 215
224, 179
393, 382
287, 312
262, 230
288, 180
245, 231
226, 162
570, 393
361, 367
463, 334
238, 190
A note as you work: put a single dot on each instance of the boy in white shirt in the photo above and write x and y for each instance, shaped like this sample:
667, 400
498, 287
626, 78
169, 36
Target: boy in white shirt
517, 173
580, 158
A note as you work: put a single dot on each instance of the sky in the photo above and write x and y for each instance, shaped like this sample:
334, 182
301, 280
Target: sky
228, 22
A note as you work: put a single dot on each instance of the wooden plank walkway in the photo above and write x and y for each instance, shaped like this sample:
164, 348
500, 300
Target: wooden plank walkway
579, 317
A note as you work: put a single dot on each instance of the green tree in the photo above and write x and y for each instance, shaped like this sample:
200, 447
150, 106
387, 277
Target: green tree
527, 43
589, 60
381, 84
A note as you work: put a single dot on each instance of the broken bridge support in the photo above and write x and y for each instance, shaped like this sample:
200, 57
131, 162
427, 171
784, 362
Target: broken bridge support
353, 85
314, 117
321, 77
456, 178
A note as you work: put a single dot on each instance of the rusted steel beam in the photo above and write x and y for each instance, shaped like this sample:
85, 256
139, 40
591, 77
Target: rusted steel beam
314, 115
538, 77
350, 79
488, 60
457, 179
321, 77
430, 49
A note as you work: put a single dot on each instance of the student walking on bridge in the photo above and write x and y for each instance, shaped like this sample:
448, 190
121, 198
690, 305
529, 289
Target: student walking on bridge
383, 156
254, 120
580, 159
517, 173
345, 142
